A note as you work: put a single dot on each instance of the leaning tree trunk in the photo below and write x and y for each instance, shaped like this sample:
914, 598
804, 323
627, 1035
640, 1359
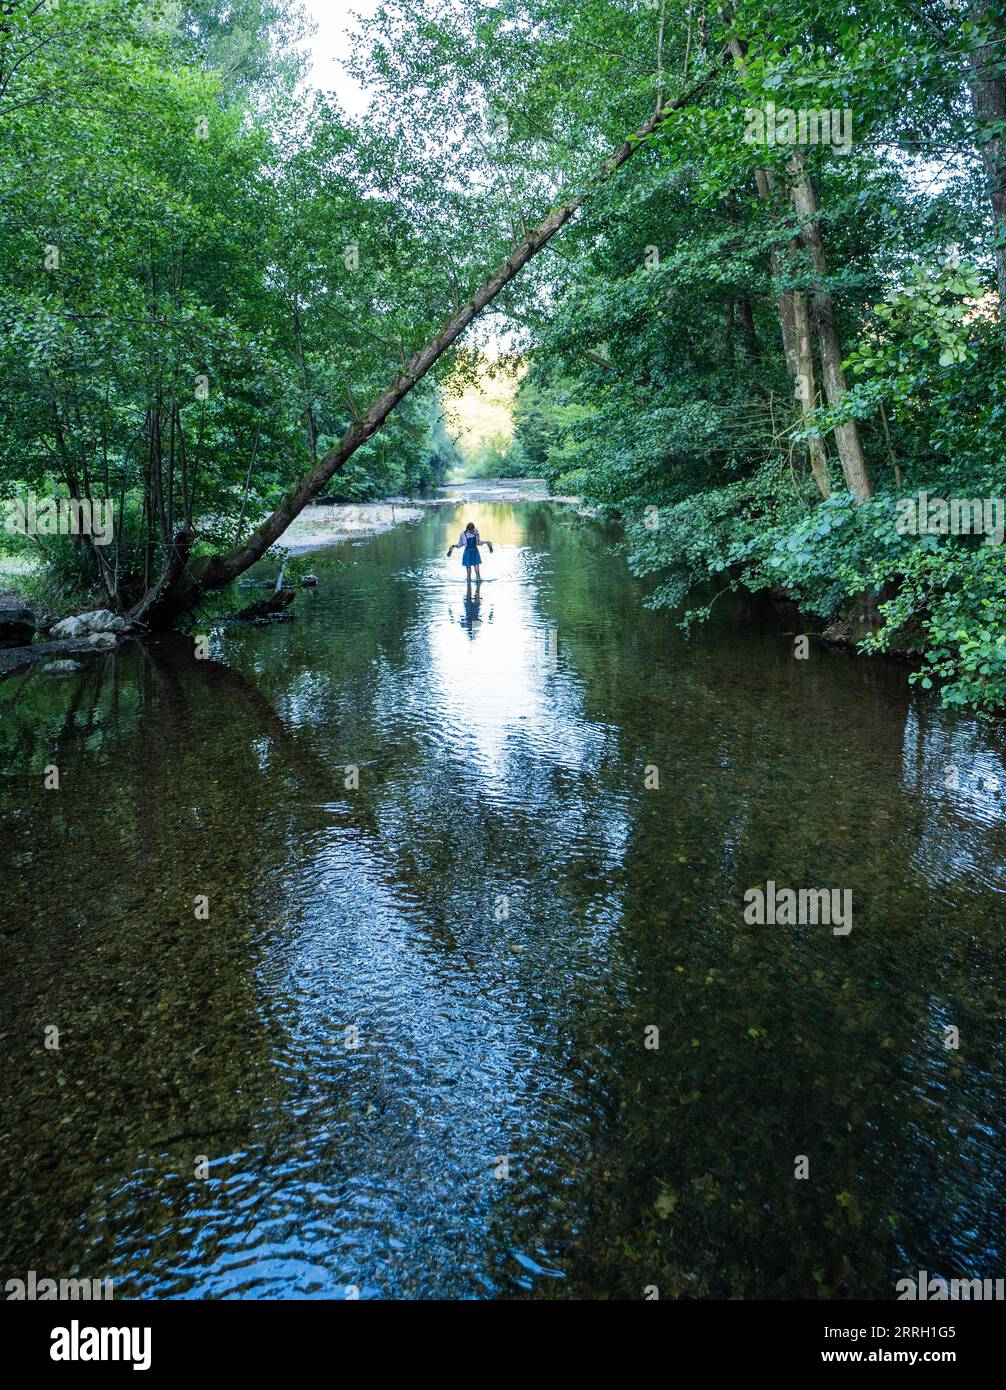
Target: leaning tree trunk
186, 581
988, 102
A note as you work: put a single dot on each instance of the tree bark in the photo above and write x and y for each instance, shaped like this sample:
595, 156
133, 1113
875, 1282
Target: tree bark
171, 577
988, 102
850, 449
171, 598
803, 375
794, 320
749, 337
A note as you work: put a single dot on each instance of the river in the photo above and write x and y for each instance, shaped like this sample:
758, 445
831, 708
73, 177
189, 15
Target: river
396, 1039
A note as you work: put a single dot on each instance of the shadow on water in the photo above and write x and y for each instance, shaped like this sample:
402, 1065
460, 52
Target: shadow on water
406, 1052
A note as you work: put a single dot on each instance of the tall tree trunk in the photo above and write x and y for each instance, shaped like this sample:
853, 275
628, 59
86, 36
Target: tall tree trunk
749, 337
988, 101
190, 579
794, 322
730, 321
794, 319
803, 375
850, 449
183, 461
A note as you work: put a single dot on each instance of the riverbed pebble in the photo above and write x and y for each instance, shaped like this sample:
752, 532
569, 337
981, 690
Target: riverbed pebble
61, 668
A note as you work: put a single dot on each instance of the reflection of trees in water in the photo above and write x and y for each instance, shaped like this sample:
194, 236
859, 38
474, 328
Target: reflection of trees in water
166, 1010
624, 910
846, 1062
164, 1050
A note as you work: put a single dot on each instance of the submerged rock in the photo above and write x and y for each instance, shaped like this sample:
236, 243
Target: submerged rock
17, 627
61, 668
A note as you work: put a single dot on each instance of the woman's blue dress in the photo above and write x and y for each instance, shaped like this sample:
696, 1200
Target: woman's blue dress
470, 555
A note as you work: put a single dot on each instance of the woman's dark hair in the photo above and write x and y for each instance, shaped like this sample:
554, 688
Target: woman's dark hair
470, 526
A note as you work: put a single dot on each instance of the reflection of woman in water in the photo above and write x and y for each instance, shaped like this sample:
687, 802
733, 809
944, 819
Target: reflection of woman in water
468, 543
472, 615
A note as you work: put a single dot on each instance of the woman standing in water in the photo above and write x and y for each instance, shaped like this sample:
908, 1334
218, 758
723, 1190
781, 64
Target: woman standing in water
468, 543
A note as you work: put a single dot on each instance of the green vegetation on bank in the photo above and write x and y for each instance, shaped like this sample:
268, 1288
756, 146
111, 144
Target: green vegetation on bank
195, 272
753, 342
666, 385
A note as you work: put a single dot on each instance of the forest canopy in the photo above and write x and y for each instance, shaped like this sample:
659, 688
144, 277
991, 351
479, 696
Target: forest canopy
765, 314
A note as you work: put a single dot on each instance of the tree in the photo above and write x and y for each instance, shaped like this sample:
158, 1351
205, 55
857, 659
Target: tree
185, 579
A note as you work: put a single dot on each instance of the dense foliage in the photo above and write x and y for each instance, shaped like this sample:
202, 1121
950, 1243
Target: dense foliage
754, 344
197, 280
660, 386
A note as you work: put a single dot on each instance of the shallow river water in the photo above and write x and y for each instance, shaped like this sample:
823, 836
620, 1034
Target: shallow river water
411, 1051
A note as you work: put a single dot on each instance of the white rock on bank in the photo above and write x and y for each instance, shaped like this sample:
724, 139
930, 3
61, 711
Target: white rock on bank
103, 640
85, 624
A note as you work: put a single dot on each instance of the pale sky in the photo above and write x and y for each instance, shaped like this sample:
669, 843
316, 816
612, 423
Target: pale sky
332, 44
